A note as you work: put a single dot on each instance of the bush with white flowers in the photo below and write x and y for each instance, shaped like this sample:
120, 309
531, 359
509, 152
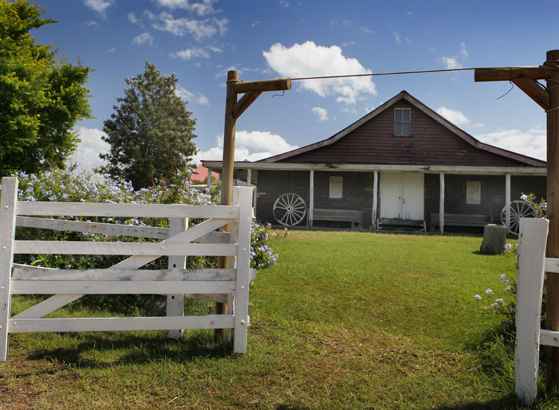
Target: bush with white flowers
62, 185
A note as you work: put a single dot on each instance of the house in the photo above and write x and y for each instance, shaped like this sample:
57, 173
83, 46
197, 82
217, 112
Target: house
200, 175
402, 164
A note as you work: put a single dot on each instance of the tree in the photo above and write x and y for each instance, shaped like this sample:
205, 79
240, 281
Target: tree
150, 132
40, 99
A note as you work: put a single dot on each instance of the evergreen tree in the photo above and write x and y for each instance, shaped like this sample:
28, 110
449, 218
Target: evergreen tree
40, 99
150, 132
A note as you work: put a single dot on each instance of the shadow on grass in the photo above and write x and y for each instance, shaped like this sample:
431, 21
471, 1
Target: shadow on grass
508, 402
132, 349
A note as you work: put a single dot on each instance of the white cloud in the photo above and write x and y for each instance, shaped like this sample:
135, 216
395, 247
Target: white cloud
191, 97
144, 39
249, 146
201, 8
195, 52
451, 62
132, 18
180, 26
310, 59
284, 3
531, 142
454, 116
456, 61
91, 145
321, 113
397, 38
99, 5
463, 50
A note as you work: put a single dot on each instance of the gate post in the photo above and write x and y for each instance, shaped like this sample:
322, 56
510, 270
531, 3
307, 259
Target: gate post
7, 237
175, 303
242, 319
530, 278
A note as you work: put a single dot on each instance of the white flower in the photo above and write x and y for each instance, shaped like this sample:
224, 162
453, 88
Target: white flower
508, 288
500, 301
504, 278
524, 197
477, 297
488, 291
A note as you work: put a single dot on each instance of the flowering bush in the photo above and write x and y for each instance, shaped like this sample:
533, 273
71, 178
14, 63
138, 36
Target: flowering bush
261, 255
61, 185
539, 204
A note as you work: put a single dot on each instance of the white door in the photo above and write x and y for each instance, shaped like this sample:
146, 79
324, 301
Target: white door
401, 195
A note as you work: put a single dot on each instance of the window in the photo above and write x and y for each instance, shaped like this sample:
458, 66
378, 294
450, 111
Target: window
402, 122
473, 192
336, 187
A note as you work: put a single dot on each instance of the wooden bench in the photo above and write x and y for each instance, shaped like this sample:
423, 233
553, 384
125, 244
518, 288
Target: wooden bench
461, 220
355, 218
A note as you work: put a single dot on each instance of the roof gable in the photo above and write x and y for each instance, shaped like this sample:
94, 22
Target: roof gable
405, 96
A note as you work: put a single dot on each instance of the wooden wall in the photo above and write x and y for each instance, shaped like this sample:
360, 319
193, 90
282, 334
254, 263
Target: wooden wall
430, 144
357, 193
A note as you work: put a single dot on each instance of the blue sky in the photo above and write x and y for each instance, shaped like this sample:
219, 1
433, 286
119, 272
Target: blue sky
199, 40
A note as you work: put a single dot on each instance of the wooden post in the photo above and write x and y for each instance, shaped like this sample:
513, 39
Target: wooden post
507, 199
526, 78
255, 193
228, 170
175, 303
233, 110
530, 279
552, 282
374, 213
249, 176
310, 217
7, 236
441, 202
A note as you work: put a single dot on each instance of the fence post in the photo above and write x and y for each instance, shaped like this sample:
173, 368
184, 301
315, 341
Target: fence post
7, 236
175, 303
530, 278
243, 270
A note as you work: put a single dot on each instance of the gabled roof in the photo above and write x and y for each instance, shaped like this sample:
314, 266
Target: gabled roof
404, 95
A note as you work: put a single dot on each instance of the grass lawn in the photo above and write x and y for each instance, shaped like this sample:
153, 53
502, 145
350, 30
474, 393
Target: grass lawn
344, 320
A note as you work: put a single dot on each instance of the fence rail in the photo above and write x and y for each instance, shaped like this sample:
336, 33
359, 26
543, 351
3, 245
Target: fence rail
126, 277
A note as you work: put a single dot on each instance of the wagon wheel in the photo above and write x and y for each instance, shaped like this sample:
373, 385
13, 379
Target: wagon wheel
289, 209
518, 209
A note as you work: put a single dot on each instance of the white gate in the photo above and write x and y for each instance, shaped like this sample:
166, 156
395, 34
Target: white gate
126, 277
532, 265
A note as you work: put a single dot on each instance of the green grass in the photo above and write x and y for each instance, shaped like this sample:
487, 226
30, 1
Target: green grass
344, 320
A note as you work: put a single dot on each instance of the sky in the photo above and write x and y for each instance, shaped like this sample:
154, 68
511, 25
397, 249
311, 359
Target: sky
199, 40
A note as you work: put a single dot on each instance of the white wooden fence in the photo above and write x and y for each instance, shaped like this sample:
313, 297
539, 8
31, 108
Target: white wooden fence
532, 265
126, 277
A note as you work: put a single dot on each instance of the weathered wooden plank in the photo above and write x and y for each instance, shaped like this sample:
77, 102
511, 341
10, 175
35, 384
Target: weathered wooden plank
534, 90
26, 272
241, 301
549, 337
122, 248
280, 84
531, 257
120, 324
134, 262
93, 227
7, 234
98, 287
126, 210
510, 73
